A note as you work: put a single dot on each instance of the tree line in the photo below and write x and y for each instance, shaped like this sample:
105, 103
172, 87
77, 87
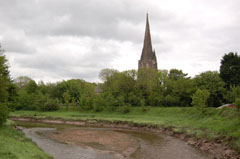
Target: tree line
144, 87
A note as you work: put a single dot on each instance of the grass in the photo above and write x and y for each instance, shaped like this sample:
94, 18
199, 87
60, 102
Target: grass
212, 124
14, 145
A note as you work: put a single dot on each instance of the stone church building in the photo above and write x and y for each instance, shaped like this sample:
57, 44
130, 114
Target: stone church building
148, 57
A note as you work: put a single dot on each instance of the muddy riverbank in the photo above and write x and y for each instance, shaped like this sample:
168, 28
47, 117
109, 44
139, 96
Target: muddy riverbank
172, 146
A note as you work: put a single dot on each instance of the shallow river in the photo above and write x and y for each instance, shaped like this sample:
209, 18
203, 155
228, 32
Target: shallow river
75, 142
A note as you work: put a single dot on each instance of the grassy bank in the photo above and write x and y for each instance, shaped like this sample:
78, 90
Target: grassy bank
14, 145
212, 124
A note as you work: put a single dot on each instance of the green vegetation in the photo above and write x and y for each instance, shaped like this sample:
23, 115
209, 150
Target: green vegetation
4, 87
14, 145
237, 103
199, 99
3, 113
230, 69
126, 96
130, 88
213, 123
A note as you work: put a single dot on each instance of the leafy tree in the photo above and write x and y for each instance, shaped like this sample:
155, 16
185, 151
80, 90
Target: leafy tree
4, 86
99, 103
122, 86
199, 98
171, 100
105, 73
75, 87
22, 81
51, 105
4, 77
237, 103
13, 96
148, 80
175, 74
233, 93
48, 89
211, 81
157, 88
31, 87
230, 69
3, 113
66, 97
179, 89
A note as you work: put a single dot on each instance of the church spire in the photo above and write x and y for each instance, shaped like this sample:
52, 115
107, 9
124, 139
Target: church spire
147, 38
148, 57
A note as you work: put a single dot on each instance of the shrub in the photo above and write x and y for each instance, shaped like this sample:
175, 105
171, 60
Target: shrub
125, 109
50, 105
199, 99
99, 104
3, 113
237, 103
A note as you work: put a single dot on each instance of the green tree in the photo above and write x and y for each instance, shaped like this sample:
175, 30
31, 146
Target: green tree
105, 73
3, 113
237, 103
175, 74
4, 86
179, 89
22, 81
199, 98
211, 81
157, 88
232, 94
66, 97
4, 77
122, 86
31, 87
50, 105
48, 88
230, 69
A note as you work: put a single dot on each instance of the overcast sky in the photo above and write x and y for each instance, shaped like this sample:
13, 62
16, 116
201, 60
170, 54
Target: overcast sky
54, 40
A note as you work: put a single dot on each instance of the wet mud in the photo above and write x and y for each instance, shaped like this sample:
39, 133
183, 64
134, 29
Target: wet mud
74, 142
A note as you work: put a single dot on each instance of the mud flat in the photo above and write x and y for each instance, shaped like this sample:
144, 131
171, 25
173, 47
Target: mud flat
65, 151
74, 142
215, 148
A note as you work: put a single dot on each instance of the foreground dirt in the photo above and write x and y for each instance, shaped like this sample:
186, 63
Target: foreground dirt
65, 151
216, 149
148, 145
101, 139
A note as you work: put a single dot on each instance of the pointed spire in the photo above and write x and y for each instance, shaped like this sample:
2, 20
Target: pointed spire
148, 57
147, 38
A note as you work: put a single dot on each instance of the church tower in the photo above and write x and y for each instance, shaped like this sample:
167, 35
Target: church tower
148, 57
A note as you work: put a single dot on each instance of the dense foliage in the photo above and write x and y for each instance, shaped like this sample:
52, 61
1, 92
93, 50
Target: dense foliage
126, 89
230, 69
3, 113
200, 98
4, 87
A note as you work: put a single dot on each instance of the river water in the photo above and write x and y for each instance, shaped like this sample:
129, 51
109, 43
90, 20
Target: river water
77, 142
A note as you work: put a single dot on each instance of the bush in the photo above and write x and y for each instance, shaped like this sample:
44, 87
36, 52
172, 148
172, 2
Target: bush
50, 105
237, 103
125, 109
3, 113
199, 99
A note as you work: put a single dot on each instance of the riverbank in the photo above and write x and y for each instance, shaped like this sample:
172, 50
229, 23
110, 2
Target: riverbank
64, 141
211, 130
14, 145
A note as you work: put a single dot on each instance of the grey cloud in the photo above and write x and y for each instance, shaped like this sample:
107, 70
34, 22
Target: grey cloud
102, 19
75, 64
184, 34
14, 43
